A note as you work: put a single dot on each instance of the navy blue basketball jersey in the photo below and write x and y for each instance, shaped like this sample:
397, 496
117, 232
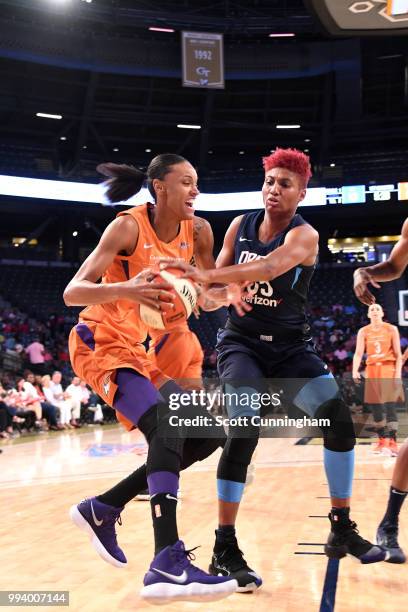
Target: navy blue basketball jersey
279, 304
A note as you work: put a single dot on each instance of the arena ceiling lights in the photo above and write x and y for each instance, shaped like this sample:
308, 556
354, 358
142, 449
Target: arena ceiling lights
48, 116
282, 35
157, 29
362, 17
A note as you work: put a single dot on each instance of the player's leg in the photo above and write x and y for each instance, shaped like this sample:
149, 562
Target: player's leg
387, 533
235, 366
195, 449
391, 417
374, 398
378, 413
171, 575
99, 515
319, 397
180, 357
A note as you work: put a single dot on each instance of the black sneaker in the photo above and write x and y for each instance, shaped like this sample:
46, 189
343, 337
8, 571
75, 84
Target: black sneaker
344, 539
228, 560
387, 538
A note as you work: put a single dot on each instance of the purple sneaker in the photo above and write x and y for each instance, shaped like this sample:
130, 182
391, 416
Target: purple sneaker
172, 577
98, 521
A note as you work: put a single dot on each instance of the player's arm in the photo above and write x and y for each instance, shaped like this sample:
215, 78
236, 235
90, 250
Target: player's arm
358, 355
384, 271
396, 345
300, 247
203, 244
214, 298
84, 289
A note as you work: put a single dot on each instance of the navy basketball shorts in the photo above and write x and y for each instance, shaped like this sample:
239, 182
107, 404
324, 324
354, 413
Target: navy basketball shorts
245, 361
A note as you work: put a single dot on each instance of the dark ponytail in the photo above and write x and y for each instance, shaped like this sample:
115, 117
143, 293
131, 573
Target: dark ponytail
124, 181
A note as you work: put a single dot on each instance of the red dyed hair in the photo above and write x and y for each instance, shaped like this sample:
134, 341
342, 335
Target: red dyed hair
292, 160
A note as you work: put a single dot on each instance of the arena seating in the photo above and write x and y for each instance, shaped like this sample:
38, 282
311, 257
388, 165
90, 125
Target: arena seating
37, 290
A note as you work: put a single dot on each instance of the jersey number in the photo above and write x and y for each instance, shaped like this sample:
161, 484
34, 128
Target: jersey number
377, 347
264, 288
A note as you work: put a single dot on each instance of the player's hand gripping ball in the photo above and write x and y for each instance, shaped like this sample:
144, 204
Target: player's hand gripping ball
185, 300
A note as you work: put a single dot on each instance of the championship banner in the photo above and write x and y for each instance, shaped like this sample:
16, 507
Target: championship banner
203, 60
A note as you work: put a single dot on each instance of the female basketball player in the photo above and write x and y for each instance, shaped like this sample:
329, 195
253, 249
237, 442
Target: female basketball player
277, 250
106, 350
382, 389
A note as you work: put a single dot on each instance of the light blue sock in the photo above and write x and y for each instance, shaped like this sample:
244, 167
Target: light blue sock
339, 469
230, 491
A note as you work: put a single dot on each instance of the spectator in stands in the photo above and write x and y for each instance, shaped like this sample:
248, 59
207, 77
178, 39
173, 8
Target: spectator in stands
48, 394
58, 399
49, 411
350, 309
29, 400
63, 354
73, 396
35, 352
5, 417
19, 413
10, 342
48, 358
337, 308
89, 402
341, 354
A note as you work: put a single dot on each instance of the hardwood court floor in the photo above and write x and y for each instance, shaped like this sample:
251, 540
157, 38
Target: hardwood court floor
283, 514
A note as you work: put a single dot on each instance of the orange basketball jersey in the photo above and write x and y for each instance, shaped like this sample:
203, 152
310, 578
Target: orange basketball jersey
110, 336
122, 316
379, 347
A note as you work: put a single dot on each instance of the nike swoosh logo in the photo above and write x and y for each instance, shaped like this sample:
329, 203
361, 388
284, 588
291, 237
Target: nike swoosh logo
254, 574
398, 492
168, 496
179, 579
97, 523
147, 246
245, 240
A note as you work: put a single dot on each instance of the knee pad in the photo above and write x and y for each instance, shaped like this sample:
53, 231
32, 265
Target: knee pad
164, 455
235, 458
148, 423
339, 435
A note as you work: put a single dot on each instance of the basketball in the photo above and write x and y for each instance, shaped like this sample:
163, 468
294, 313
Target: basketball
185, 299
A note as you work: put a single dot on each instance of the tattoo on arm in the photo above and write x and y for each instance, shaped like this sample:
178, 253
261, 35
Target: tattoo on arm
198, 226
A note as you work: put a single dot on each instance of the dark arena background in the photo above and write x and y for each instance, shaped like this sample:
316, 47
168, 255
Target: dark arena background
91, 81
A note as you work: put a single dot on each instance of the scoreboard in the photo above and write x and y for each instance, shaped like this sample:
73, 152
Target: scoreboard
355, 194
362, 18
